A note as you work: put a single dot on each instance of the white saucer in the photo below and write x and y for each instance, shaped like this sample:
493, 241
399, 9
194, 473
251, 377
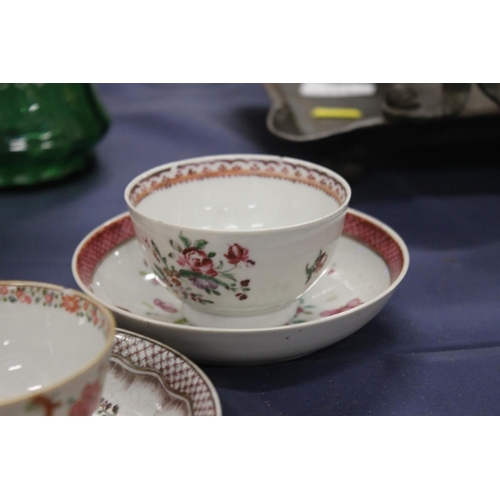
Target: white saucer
370, 262
148, 378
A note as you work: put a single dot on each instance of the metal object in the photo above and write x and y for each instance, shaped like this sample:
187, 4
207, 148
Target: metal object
393, 104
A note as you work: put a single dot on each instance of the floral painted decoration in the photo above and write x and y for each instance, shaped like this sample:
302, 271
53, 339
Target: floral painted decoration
190, 268
45, 403
304, 310
107, 409
85, 406
46, 297
350, 305
317, 265
88, 402
166, 306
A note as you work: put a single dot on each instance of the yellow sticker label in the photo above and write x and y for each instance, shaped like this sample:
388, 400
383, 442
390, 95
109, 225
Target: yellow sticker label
337, 113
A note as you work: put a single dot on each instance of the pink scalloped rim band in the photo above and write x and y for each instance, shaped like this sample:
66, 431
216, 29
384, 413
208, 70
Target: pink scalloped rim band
99, 244
234, 168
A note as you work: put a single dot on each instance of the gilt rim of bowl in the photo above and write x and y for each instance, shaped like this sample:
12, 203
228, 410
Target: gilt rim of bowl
335, 177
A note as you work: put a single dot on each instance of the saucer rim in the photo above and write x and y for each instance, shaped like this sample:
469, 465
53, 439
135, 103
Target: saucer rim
183, 357
284, 328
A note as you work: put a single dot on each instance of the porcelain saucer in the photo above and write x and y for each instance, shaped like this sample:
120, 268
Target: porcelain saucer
370, 262
147, 378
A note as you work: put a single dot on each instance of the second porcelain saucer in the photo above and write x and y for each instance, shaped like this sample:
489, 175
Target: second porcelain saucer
370, 262
147, 378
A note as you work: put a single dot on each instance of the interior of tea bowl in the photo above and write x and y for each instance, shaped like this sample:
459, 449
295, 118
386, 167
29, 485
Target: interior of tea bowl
238, 238
55, 345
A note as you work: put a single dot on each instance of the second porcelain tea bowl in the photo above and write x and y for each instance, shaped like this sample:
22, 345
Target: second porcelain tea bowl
238, 238
55, 345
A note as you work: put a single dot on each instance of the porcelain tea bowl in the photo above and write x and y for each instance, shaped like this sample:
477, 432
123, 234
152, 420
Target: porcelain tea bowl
55, 346
238, 238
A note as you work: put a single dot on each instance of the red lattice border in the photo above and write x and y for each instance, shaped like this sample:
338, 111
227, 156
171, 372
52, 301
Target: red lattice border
216, 168
178, 374
119, 230
377, 240
99, 244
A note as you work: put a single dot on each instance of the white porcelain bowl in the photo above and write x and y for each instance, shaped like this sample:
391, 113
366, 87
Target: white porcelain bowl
55, 345
238, 238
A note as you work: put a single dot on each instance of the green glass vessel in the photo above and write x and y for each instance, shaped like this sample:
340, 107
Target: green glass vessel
47, 130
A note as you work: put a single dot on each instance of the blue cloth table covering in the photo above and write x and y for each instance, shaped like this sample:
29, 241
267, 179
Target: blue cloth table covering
435, 347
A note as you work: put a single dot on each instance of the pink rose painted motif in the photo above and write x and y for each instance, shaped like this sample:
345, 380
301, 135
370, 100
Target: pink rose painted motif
166, 306
350, 305
237, 254
197, 261
304, 310
194, 272
71, 303
22, 297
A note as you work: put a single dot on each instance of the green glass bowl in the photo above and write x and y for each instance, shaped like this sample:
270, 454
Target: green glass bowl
47, 130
